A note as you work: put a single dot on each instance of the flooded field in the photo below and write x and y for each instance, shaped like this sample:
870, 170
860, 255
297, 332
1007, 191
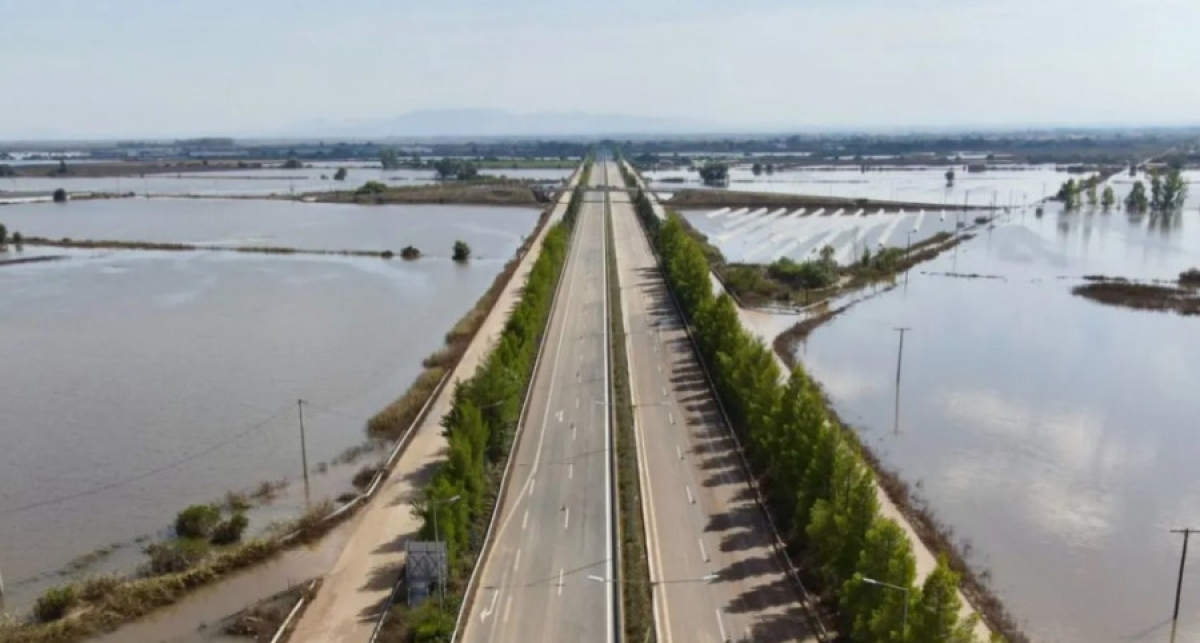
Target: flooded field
248, 182
490, 231
1055, 435
762, 236
136, 383
1002, 186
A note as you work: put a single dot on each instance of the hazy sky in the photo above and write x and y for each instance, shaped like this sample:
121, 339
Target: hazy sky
95, 68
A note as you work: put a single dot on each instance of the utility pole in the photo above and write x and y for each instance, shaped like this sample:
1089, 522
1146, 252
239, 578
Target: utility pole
1182, 561
899, 361
303, 450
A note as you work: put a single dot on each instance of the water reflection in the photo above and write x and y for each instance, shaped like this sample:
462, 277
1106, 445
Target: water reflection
492, 232
1054, 434
117, 364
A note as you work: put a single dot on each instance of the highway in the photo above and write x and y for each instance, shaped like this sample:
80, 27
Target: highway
715, 574
554, 527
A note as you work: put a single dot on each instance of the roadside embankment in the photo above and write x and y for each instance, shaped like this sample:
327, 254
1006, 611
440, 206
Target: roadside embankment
693, 198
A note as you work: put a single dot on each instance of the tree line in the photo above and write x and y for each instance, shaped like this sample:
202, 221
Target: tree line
480, 424
1167, 193
817, 484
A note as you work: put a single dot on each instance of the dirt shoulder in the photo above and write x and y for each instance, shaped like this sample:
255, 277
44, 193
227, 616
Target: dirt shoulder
692, 198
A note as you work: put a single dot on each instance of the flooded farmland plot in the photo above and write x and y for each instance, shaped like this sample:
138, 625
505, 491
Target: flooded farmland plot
492, 232
1001, 185
137, 383
1055, 435
249, 182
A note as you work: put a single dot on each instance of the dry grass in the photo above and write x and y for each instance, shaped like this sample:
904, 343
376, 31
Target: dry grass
488, 192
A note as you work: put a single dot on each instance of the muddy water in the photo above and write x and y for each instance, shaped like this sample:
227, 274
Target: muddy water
249, 182
490, 231
1057, 436
136, 383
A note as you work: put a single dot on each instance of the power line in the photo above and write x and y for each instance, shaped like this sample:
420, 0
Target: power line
145, 474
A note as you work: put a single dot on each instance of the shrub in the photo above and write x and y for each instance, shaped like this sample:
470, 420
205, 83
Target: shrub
197, 521
293, 164
340, 175
410, 253
17, 239
387, 254
97, 587
54, 604
371, 187
176, 555
364, 476
1187, 277
462, 251
60, 196
230, 531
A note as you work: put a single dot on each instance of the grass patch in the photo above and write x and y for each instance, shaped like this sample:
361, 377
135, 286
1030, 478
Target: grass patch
636, 596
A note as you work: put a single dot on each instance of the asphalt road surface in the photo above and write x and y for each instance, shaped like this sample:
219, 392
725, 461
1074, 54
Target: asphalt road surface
552, 538
715, 574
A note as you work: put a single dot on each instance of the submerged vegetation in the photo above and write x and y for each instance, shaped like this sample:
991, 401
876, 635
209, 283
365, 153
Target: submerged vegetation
89, 607
1183, 299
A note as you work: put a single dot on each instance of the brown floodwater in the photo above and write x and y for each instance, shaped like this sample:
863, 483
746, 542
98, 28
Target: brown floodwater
137, 383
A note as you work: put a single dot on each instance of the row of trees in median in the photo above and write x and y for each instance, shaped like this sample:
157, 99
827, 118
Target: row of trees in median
818, 486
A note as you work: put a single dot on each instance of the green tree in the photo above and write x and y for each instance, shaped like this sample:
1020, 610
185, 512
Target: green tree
757, 169
716, 174
462, 251
372, 187
3, 235
1109, 198
388, 159
1157, 202
17, 239
455, 169
950, 178
340, 175
1068, 194
878, 613
60, 196
197, 521
1136, 201
935, 618
1174, 191
1091, 194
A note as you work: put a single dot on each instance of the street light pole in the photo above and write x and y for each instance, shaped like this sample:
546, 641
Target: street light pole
1182, 561
904, 614
899, 361
303, 450
441, 581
